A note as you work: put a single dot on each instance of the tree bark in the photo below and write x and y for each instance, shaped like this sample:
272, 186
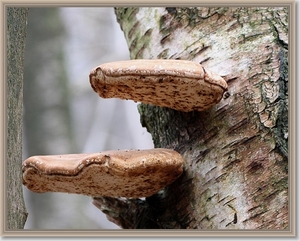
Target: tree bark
236, 153
16, 32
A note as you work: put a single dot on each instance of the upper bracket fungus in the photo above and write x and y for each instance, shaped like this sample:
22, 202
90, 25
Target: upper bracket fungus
178, 84
119, 173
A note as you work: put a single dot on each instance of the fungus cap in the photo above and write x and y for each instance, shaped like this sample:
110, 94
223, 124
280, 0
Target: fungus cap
178, 84
119, 173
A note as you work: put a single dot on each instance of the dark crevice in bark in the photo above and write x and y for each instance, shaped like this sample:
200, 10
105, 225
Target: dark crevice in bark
281, 130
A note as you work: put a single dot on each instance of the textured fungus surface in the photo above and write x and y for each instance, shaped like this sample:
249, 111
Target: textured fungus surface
176, 84
121, 173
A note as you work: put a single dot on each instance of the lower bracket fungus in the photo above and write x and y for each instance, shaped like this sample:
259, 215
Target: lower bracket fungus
178, 84
118, 173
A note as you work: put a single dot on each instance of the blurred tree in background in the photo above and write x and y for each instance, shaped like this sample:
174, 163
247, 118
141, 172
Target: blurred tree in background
47, 121
16, 213
46, 94
62, 114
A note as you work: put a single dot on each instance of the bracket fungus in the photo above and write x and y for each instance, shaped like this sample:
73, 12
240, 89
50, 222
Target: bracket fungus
178, 84
118, 173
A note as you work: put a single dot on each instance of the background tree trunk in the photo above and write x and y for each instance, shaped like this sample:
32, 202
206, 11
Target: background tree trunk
16, 33
236, 153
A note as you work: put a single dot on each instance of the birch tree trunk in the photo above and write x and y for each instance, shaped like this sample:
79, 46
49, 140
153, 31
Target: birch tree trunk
236, 153
16, 213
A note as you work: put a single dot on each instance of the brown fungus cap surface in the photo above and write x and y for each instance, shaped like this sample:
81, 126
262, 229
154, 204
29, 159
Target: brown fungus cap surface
120, 173
178, 84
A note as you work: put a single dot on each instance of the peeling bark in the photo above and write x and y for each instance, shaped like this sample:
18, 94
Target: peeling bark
236, 153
